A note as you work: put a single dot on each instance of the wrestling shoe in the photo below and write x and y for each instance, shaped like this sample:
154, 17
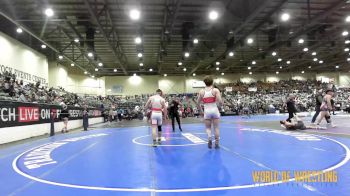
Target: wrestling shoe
217, 144
154, 143
210, 144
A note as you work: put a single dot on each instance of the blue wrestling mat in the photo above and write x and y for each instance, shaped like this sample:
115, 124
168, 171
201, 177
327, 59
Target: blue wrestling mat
120, 161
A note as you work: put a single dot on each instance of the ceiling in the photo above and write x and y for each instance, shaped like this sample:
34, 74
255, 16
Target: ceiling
168, 27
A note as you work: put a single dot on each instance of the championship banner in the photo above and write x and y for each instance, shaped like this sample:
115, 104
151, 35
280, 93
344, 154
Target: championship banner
21, 114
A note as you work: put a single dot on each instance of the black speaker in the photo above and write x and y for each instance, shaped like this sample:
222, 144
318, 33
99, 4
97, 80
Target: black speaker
90, 38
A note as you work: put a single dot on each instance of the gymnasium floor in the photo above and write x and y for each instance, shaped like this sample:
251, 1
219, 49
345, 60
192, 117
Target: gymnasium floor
112, 160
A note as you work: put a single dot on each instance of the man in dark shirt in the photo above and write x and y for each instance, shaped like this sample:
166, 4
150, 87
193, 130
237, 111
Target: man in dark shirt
173, 111
291, 107
319, 98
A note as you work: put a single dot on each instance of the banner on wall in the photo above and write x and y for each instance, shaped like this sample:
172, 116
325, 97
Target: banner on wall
21, 114
198, 84
252, 89
228, 89
117, 89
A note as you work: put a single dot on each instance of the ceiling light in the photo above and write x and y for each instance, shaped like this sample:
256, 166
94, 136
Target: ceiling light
213, 15
277, 72
222, 73
250, 73
301, 41
337, 66
281, 67
313, 53
348, 59
165, 75
315, 59
288, 62
194, 74
347, 19
138, 40
93, 76
49, 12
134, 74
302, 72
179, 63
134, 14
347, 41
274, 53
217, 63
139, 55
320, 62
195, 41
43, 46
305, 49
218, 68
187, 54
345, 33
60, 57
249, 68
250, 40
72, 64
115, 70
185, 69
231, 54
309, 67
150, 69
76, 40
85, 72
141, 64
90, 54
96, 69
279, 59
19, 30
346, 49
100, 64
285, 17
253, 62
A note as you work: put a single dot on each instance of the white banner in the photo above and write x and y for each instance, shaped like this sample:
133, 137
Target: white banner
228, 89
252, 89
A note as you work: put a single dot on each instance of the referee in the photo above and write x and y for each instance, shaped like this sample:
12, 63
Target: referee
173, 111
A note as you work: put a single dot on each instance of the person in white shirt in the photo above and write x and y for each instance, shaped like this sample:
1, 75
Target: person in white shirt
157, 105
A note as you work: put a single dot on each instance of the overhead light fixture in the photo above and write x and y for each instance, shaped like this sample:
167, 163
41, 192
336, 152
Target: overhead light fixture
43, 46
165, 75
285, 17
217, 63
76, 40
274, 53
100, 64
250, 73
90, 54
194, 74
231, 53
348, 59
345, 33
195, 41
19, 30
302, 72
60, 57
141, 64
347, 19
277, 72
134, 14
115, 70
320, 62
150, 69
305, 49
288, 62
93, 76
309, 67
187, 54
213, 15
72, 64
222, 73
250, 40
281, 67
134, 74
138, 40
85, 72
337, 66
253, 62
185, 69
347, 41
346, 49
313, 53
315, 59
96, 69
249, 68
218, 68
139, 54
179, 63
279, 59
49, 12
301, 41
